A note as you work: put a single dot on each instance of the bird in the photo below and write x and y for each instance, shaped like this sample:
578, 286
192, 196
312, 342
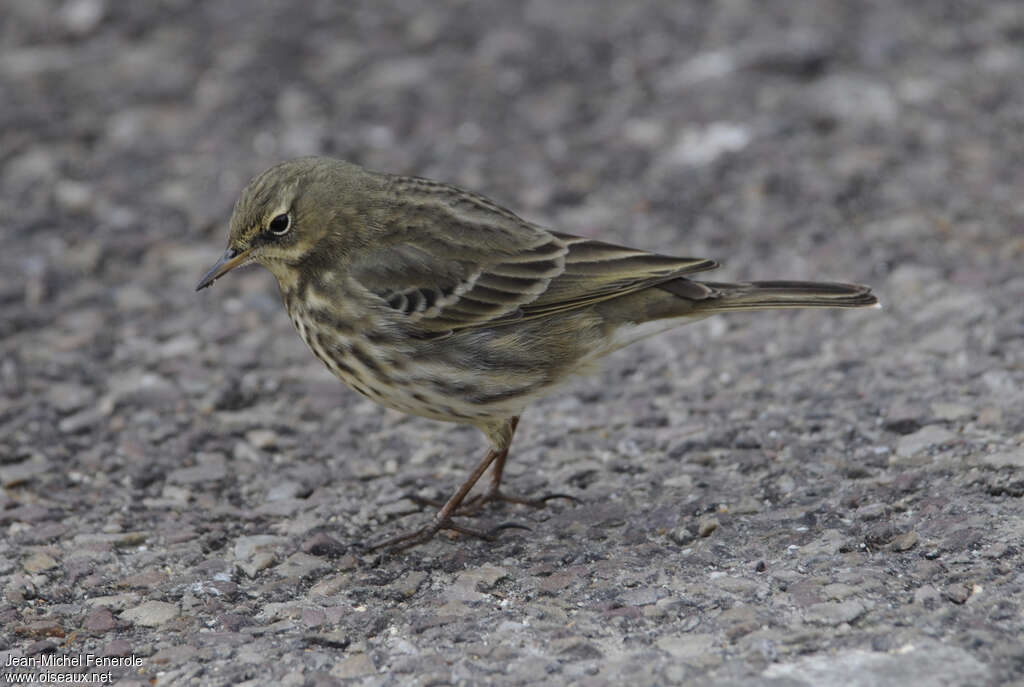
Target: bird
438, 302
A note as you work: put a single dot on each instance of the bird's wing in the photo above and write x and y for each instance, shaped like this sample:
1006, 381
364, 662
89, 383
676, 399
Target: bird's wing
443, 287
459, 261
597, 271
455, 259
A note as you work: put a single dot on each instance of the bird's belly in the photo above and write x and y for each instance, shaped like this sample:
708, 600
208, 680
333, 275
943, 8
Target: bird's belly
401, 373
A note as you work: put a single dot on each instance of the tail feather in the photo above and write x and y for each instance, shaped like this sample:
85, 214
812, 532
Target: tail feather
760, 295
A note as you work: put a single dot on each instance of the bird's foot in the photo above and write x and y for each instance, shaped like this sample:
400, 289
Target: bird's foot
476, 504
473, 506
427, 532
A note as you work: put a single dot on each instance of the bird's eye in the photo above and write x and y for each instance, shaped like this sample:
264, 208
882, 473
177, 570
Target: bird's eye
280, 225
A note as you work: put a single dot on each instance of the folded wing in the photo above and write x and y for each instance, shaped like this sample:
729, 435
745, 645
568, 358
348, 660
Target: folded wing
459, 261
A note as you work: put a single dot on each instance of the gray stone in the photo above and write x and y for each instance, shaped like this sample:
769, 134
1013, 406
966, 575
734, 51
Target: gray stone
927, 664
119, 648
115, 602
19, 473
925, 594
925, 438
211, 467
246, 547
151, 613
694, 649
39, 562
904, 542
301, 565
407, 585
100, 620
68, 397
1014, 459
81, 17
81, 421
951, 411
263, 439
707, 526
834, 613
356, 665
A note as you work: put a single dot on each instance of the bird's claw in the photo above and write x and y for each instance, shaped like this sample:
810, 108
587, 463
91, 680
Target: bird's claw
427, 532
475, 505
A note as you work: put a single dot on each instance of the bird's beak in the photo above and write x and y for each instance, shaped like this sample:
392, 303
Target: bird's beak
229, 261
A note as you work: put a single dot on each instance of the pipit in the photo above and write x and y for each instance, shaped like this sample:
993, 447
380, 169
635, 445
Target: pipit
438, 302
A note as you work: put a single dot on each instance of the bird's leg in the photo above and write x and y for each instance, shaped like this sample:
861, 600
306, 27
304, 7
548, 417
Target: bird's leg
443, 519
501, 438
494, 492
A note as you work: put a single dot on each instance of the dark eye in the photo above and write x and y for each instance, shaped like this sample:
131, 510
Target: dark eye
280, 225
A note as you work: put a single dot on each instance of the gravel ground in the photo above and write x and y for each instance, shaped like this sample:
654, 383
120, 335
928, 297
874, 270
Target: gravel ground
805, 498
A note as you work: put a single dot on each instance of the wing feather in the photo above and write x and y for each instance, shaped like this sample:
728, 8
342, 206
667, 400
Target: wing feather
459, 261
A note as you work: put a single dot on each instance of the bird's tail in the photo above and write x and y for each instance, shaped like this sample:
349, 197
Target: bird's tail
653, 310
760, 295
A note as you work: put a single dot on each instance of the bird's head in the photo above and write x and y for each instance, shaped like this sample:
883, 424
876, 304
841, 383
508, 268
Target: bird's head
294, 211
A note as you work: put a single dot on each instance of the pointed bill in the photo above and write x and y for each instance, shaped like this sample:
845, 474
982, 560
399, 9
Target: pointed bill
229, 261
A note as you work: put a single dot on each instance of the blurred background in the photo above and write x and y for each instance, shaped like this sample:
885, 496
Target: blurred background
685, 126
870, 141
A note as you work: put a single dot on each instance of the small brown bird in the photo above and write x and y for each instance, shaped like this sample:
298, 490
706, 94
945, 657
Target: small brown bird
438, 302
